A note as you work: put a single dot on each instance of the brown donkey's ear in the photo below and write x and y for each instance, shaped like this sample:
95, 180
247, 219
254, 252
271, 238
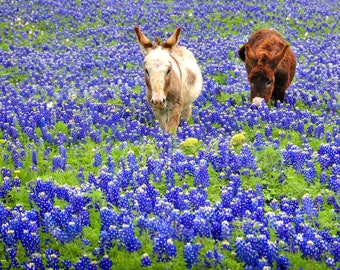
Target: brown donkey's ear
250, 57
241, 53
173, 40
276, 60
144, 43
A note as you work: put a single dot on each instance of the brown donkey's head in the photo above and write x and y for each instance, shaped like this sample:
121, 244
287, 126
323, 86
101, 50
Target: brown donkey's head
261, 67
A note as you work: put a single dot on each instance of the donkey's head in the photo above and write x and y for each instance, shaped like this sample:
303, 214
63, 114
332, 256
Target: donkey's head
262, 67
157, 65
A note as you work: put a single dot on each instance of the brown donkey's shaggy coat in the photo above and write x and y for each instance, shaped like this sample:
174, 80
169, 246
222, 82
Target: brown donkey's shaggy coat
270, 65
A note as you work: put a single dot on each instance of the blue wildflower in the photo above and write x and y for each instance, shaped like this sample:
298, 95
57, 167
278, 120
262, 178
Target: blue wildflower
190, 254
97, 159
128, 239
145, 260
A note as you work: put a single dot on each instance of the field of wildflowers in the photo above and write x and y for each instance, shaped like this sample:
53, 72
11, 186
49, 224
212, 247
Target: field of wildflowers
90, 181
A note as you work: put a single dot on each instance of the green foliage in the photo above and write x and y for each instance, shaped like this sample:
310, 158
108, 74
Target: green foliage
238, 139
191, 146
298, 262
13, 74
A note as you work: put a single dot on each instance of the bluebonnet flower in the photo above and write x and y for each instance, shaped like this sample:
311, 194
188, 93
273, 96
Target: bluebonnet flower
16, 160
335, 251
52, 259
319, 131
330, 262
164, 247
8, 184
145, 260
97, 159
78, 201
309, 172
92, 180
201, 175
66, 264
323, 178
37, 261
113, 192
72, 229
83, 263
318, 202
132, 161
283, 262
142, 176
190, 254
284, 231
259, 141
80, 175
244, 251
128, 239
197, 198
155, 166
58, 162
169, 176
310, 243
34, 158
268, 131
177, 198
9, 236
274, 204
108, 217
125, 177
43, 203
12, 254
187, 219
247, 159
201, 227
110, 165
60, 235
106, 263
30, 241
213, 258
227, 195
226, 230
334, 182
103, 180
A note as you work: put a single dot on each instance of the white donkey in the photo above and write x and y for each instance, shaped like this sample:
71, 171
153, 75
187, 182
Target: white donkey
173, 79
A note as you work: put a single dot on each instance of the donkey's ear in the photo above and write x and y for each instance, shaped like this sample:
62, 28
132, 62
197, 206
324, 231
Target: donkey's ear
276, 60
241, 52
250, 57
173, 40
144, 43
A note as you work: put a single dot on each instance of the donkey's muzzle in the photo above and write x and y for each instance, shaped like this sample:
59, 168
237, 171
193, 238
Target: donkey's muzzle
158, 103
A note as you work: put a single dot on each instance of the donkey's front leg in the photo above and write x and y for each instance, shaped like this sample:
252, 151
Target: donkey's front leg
161, 116
186, 112
173, 118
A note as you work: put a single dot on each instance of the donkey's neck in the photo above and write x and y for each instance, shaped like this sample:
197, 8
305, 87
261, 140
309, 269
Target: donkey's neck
178, 67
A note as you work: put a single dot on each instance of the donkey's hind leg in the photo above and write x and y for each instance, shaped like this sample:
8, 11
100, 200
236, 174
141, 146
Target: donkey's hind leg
186, 112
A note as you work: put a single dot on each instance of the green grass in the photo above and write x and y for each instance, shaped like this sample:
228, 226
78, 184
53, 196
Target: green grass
81, 155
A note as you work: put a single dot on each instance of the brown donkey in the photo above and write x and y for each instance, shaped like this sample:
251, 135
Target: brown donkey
172, 77
270, 64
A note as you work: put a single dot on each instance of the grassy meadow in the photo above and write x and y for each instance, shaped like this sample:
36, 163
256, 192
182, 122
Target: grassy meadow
90, 181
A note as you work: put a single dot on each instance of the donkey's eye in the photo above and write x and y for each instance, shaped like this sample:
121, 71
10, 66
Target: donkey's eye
268, 82
147, 72
168, 72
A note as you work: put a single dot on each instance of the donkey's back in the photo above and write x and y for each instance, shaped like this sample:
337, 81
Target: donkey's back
190, 72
